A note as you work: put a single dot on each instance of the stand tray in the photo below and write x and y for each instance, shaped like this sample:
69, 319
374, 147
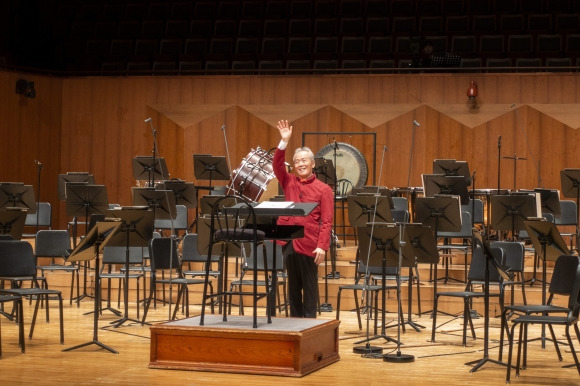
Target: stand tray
290, 347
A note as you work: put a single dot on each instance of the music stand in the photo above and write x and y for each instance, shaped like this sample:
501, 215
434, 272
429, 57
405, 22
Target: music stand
184, 192
509, 212
440, 184
550, 201
150, 169
161, 202
17, 195
549, 245
381, 243
369, 208
12, 222
84, 200
451, 167
73, 177
208, 167
441, 213
136, 230
423, 246
570, 179
369, 189
90, 247
324, 170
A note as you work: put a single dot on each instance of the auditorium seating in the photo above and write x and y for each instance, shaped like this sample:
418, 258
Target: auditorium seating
117, 35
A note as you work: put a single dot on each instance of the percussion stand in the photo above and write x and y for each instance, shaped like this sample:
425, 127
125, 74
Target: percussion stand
334, 274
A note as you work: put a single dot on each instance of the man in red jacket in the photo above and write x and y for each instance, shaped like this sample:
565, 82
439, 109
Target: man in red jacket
305, 254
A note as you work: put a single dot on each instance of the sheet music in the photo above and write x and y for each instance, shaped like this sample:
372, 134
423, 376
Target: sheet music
275, 205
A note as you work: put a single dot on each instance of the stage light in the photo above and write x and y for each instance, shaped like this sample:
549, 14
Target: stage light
25, 88
472, 90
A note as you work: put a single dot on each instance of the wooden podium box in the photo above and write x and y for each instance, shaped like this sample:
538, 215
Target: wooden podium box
289, 346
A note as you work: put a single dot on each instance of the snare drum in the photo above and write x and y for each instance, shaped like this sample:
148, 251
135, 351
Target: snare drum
254, 179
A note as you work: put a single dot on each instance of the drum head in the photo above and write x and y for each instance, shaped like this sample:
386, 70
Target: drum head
350, 163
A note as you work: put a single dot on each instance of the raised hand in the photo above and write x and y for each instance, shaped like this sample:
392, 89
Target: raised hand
285, 130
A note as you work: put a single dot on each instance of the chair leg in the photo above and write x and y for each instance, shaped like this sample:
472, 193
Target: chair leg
574, 355
435, 300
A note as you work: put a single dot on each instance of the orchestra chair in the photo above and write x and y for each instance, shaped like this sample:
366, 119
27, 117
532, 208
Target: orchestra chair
249, 269
561, 284
514, 253
566, 316
343, 187
568, 217
180, 223
16, 301
113, 261
465, 234
18, 264
42, 218
232, 226
164, 259
190, 255
476, 275
56, 244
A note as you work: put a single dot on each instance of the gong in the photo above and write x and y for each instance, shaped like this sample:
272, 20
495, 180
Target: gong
350, 163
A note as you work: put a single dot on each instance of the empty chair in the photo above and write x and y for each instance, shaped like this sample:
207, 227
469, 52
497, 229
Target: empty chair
42, 218
520, 44
16, 301
476, 274
18, 263
164, 259
180, 223
549, 44
465, 235
568, 219
463, 44
56, 245
514, 260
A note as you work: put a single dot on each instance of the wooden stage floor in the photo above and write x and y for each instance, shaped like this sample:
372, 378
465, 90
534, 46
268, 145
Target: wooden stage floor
435, 363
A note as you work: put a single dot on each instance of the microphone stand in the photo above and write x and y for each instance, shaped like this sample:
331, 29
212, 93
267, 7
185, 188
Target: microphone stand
334, 274
38, 171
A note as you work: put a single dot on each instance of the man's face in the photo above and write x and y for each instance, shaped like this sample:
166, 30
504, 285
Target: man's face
303, 164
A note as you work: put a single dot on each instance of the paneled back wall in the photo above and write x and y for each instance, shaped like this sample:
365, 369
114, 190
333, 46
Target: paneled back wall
97, 125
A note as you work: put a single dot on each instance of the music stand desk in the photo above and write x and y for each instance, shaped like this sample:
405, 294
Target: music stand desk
12, 222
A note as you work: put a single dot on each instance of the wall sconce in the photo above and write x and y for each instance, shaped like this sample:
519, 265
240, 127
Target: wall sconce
26, 88
472, 90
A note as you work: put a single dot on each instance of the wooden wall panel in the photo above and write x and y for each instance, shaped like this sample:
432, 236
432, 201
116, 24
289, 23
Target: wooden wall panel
97, 124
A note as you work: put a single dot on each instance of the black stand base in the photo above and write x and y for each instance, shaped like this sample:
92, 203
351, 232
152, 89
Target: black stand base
385, 337
118, 323
333, 275
101, 345
368, 349
398, 358
483, 361
326, 307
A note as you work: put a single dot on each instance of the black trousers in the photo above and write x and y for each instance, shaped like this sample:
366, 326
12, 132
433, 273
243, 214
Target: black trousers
302, 283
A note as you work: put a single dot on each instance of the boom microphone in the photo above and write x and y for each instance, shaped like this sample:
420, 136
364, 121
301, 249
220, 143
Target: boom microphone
148, 120
416, 124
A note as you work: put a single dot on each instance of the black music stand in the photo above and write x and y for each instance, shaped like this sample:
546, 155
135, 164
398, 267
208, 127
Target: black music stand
150, 169
418, 244
207, 202
325, 171
509, 212
136, 230
441, 213
570, 179
549, 245
17, 195
208, 167
423, 244
85, 200
184, 192
90, 247
369, 208
504, 272
73, 178
12, 222
550, 199
451, 167
441, 184
381, 243
161, 202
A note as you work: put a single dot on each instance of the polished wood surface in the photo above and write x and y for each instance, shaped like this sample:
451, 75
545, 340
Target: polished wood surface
435, 363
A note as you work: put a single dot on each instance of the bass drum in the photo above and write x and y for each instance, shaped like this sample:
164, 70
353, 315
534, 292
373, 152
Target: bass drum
350, 163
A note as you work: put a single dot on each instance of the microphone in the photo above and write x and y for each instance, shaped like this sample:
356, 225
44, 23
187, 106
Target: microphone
335, 144
148, 120
38, 163
223, 127
499, 141
416, 124
512, 106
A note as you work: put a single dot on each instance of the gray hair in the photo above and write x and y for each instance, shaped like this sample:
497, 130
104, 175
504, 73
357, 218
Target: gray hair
307, 150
